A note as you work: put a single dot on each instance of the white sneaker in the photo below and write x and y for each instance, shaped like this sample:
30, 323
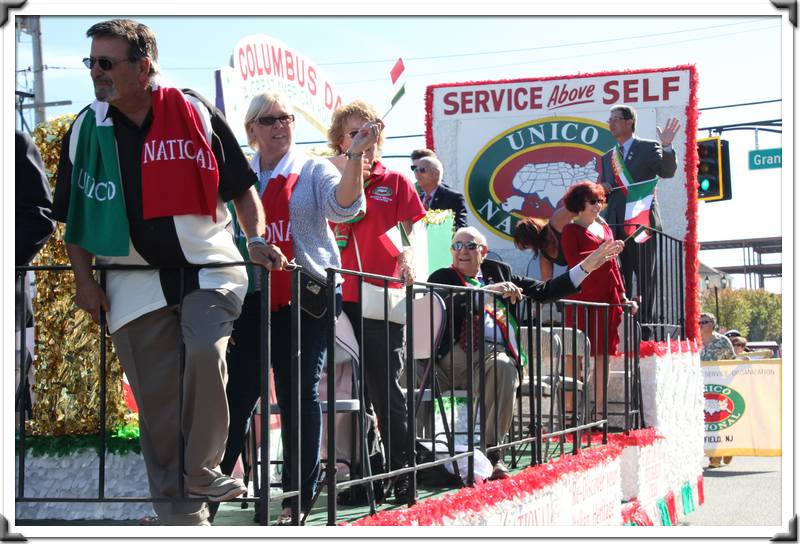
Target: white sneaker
222, 488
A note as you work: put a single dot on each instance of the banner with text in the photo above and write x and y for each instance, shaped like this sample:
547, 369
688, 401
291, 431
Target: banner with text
262, 63
742, 407
514, 147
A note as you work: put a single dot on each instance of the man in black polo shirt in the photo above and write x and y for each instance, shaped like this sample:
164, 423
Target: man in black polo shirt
143, 177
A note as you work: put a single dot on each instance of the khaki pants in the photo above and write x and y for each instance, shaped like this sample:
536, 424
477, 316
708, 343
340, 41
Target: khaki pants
499, 400
149, 349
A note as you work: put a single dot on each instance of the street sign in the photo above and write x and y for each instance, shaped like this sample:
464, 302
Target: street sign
764, 158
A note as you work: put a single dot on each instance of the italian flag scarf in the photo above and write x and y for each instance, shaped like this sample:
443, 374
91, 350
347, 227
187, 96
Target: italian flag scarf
179, 173
638, 196
497, 311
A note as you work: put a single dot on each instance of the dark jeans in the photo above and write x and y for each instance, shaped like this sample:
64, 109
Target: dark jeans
381, 381
243, 388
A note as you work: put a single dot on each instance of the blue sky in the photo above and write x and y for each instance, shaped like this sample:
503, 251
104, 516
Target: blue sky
737, 58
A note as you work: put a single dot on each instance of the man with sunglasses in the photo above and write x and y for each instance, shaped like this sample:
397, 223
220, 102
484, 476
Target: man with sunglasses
435, 194
142, 180
643, 160
471, 268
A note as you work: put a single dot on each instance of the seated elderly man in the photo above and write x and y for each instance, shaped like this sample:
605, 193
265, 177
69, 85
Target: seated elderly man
471, 268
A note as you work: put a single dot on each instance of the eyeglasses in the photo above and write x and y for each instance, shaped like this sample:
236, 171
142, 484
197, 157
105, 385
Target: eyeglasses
420, 169
353, 134
472, 246
704, 322
268, 120
105, 63
594, 201
610, 119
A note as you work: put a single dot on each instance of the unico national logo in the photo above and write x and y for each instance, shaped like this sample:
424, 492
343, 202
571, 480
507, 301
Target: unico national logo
525, 171
723, 406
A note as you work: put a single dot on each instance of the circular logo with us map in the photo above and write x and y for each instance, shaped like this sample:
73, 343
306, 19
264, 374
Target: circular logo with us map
723, 406
524, 171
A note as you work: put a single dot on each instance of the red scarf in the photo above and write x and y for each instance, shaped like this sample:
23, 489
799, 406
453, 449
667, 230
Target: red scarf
179, 170
275, 199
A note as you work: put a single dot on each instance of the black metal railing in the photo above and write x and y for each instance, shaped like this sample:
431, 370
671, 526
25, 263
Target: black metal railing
656, 280
545, 369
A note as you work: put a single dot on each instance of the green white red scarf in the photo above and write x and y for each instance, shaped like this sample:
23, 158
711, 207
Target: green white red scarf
638, 196
503, 320
179, 173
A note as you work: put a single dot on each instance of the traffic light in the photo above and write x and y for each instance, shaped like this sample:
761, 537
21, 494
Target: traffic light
713, 170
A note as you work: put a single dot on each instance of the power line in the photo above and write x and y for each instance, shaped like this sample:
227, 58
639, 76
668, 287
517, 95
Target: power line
555, 46
498, 52
740, 104
538, 61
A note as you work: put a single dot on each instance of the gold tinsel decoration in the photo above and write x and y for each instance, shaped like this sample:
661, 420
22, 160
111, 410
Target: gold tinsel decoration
437, 217
67, 364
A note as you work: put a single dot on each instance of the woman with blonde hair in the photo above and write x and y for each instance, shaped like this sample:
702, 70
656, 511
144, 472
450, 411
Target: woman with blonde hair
301, 194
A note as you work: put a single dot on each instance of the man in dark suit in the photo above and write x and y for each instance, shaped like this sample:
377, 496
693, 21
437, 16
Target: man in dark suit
34, 222
644, 160
434, 194
471, 268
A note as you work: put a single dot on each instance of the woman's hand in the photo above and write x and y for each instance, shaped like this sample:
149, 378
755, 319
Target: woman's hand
632, 303
507, 289
405, 270
367, 135
608, 250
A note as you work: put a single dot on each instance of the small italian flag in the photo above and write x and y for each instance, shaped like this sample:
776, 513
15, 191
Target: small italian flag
393, 240
637, 208
398, 82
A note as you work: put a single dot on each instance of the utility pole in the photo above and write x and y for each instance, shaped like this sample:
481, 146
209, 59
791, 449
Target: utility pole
38, 75
30, 24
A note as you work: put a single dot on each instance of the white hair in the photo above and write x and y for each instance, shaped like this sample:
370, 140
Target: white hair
475, 233
433, 162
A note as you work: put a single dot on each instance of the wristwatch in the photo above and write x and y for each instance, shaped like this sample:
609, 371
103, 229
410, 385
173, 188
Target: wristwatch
256, 241
353, 156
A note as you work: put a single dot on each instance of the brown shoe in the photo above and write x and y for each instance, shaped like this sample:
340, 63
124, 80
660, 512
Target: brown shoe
714, 462
727, 459
500, 471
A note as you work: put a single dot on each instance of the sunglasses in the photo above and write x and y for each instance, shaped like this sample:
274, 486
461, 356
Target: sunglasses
704, 322
594, 201
472, 246
105, 63
268, 120
420, 169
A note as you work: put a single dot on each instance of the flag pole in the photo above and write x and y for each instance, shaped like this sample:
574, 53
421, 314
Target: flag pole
387, 112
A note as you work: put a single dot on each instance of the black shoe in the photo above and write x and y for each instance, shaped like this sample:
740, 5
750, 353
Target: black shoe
357, 495
402, 489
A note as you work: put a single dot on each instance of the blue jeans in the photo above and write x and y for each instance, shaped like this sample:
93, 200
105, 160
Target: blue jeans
243, 388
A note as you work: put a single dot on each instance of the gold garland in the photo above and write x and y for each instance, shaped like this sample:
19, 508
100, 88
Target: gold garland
67, 365
437, 217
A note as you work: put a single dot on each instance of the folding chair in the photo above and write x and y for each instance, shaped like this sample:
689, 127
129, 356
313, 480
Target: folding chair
430, 319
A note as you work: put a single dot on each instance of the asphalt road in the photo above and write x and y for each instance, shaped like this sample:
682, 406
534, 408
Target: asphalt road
745, 492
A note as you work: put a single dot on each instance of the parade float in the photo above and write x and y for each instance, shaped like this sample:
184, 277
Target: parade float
650, 476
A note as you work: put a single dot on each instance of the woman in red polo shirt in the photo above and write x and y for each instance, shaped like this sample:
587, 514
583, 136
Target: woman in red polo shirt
390, 200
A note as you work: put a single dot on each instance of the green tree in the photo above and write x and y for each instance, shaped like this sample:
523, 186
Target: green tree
766, 317
755, 313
